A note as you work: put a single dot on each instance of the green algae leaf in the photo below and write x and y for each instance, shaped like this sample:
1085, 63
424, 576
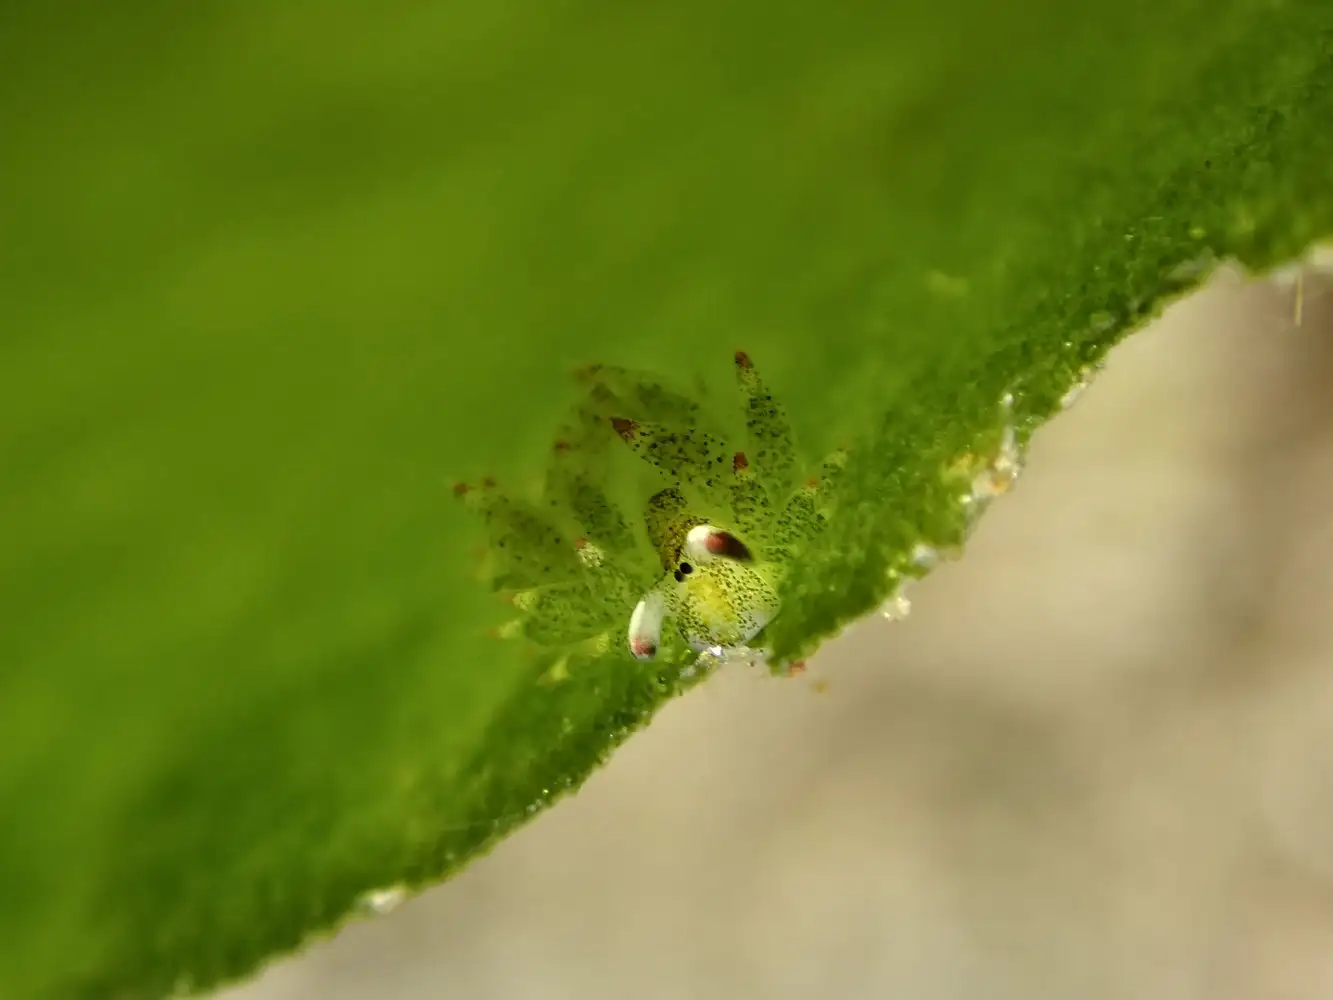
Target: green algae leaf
275, 276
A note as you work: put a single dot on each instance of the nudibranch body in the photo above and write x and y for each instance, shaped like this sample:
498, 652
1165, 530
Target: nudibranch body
721, 576
713, 586
722, 528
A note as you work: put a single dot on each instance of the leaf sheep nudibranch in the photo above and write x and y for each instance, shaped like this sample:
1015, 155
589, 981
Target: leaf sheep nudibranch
723, 529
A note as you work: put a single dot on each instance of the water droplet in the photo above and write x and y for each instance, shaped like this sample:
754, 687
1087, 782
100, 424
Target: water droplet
896, 608
1086, 374
382, 901
925, 556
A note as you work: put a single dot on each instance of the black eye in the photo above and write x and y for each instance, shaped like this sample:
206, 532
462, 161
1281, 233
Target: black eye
686, 568
678, 575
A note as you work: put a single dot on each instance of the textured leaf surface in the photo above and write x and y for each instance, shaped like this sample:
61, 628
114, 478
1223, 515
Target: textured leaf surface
274, 275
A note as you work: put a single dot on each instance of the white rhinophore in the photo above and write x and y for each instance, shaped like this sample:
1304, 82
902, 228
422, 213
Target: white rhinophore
645, 625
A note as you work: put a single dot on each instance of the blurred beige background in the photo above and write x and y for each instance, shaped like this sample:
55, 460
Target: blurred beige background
1093, 763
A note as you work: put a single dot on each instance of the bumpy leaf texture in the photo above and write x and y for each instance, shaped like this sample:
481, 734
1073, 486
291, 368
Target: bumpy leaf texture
274, 276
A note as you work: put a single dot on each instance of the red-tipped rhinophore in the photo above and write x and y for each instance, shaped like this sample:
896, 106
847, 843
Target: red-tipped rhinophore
625, 428
743, 360
739, 462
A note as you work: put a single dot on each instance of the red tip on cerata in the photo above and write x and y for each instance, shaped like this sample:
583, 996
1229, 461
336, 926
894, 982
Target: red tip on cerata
812, 483
461, 489
625, 428
562, 446
580, 543
796, 669
488, 483
643, 647
739, 461
743, 360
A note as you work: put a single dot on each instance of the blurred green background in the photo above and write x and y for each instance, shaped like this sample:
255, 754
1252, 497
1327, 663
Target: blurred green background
272, 276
